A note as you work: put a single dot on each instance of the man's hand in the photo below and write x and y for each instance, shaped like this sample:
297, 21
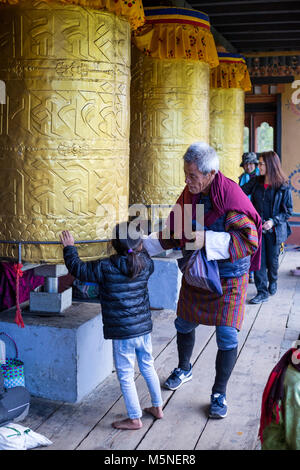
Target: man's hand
199, 240
268, 225
66, 238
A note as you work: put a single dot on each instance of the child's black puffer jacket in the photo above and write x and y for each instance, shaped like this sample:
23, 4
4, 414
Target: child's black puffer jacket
124, 301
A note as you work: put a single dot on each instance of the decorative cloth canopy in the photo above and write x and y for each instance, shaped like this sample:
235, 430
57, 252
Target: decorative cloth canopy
177, 33
231, 72
131, 9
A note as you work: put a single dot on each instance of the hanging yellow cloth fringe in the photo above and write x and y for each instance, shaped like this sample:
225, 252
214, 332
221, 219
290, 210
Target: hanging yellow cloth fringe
231, 72
176, 33
133, 10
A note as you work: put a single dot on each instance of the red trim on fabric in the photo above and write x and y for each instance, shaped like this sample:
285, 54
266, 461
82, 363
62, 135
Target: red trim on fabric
201, 307
274, 391
236, 247
195, 23
232, 61
19, 273
264, 419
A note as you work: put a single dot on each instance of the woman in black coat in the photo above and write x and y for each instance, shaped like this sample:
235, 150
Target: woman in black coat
272, 198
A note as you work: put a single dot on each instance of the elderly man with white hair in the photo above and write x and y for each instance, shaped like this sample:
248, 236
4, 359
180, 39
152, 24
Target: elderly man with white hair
232, 236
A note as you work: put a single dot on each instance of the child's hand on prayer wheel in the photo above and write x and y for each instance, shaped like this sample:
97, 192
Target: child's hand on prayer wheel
66, 238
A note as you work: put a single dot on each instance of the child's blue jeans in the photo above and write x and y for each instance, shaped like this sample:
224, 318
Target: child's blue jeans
125, 351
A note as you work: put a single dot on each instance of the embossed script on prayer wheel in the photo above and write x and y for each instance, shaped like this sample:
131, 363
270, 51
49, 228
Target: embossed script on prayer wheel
171, 60
226, 128
64, 131
228, 82
169, 111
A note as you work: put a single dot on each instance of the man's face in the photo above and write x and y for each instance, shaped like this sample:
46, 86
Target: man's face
249, 167
196, 181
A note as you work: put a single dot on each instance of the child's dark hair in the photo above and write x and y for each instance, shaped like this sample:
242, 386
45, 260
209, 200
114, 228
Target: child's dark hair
125, 245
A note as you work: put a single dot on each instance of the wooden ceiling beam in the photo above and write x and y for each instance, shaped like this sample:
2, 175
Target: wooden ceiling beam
254, 19
266, 47
258, 36
269, 13
270, 40
234, 3
278, 53
237, 8
261, 28
262, 34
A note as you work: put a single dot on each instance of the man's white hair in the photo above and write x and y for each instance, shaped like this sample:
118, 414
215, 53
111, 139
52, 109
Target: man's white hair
204, 156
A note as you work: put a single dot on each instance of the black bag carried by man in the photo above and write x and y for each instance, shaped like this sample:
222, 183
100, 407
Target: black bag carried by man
199, 272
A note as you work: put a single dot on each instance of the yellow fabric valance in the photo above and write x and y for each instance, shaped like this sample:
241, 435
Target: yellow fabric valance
133, 10
176, 33
231, 72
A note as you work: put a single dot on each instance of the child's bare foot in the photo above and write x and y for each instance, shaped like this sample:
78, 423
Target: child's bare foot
155, 411
128, 424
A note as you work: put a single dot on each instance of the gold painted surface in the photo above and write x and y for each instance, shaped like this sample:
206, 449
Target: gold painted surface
64, 132
133, 11
227, 128
169, 111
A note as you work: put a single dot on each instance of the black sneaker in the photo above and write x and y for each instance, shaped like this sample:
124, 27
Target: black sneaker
218, 406
259, 298
178, 377
272, 288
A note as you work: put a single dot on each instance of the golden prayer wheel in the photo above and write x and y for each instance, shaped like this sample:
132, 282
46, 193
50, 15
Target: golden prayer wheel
171, 59
229, 81
64, 130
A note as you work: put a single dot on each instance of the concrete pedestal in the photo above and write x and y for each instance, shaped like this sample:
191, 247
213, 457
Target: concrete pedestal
50, 300
65, 356
164, 284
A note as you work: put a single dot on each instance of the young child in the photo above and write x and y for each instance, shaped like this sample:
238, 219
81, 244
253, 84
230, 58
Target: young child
124, 298
250, 165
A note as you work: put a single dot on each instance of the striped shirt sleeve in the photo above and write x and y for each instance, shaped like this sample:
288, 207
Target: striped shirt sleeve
244, 237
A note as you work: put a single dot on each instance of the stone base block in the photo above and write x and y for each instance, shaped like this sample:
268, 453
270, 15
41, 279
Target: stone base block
164, 284
51, 270
65, 356
50, 302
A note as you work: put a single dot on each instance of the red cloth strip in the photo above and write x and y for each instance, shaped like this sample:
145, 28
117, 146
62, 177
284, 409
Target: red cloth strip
194, 23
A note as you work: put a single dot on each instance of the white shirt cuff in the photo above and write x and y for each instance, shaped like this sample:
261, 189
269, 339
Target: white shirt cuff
151, 244
217, 245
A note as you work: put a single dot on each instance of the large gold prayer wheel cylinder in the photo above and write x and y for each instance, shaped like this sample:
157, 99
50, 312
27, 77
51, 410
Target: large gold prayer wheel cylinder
226, 128
227, 104
64, 131
169, 111
169, 102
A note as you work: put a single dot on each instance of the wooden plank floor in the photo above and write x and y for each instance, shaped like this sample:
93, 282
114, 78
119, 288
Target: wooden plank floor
268, 330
